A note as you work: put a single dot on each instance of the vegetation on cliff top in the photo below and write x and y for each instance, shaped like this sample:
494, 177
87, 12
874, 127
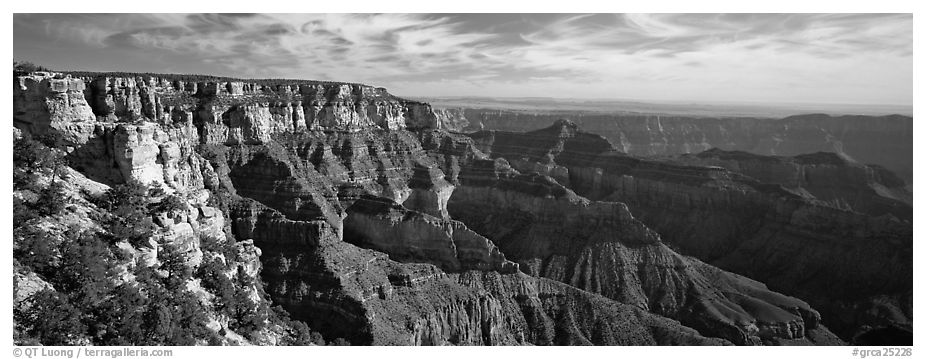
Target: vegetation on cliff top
25, 67
201, 78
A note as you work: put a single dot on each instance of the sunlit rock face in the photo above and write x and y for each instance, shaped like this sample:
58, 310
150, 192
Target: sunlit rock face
194, 228
452, 119
407, 235
45, 101
254, 109
146, 124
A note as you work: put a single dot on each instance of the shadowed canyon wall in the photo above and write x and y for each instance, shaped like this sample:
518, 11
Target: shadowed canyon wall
796, 244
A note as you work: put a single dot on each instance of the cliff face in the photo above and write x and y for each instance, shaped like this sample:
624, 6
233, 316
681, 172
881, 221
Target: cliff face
412, 236
822, 176
452, 119
361, 294
43, 101
311, 256
886, 141
183, 239
373, 222
761, 230
601, 248
225, 106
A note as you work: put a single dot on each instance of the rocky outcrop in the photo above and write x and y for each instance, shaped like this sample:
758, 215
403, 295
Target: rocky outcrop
190, 227
886, 140
452, 119
410, 236
145, 152
739, 224
44, 102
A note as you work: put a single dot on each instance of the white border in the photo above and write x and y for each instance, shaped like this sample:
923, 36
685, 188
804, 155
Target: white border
473, 6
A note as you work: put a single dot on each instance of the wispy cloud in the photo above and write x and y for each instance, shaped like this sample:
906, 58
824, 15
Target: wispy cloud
775, 57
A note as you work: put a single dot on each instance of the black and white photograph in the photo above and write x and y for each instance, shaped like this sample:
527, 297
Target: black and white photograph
461, 179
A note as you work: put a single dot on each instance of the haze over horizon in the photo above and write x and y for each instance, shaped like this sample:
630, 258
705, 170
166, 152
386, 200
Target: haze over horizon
767, 58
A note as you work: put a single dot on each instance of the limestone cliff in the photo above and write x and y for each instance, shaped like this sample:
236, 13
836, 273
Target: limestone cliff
45, 101
406, 235
241, 111
452, 119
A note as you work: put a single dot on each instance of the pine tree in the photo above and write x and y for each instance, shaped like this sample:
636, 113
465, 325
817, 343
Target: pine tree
52, 319
120, 318
174, 262
86, 268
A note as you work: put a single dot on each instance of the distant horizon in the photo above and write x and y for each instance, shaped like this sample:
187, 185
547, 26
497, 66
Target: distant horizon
907, 109
667, 101
699, 58
662, 107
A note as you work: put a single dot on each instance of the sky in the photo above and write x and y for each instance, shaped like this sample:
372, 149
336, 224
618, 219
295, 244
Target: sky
766, 58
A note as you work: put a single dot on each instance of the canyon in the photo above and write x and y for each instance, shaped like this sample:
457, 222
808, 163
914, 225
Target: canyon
384, 221
785, 237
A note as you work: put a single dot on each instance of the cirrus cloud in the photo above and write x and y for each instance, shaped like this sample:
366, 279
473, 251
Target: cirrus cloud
844, 58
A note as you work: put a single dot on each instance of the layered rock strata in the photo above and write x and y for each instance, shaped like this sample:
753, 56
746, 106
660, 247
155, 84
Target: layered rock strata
762, 230
821, 176
349, 197
600, 247
882, 140
411, 236
360, 294
452, 119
